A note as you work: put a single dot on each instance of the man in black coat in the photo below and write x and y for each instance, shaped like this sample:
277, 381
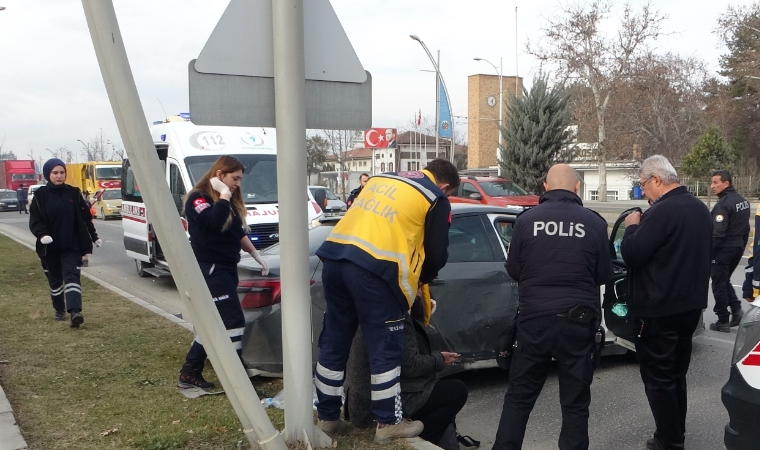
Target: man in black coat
730, 235
667, 251
559, 256
21, 196
363, 178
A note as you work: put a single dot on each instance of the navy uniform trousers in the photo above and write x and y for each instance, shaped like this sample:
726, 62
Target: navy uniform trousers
538, 341
222, 282
62, 270
358, 298
724, 263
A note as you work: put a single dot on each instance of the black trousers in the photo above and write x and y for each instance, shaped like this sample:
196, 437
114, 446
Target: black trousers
664, 351
222, 282
445, 401
724, 263
62, 270
22, 207
538, 341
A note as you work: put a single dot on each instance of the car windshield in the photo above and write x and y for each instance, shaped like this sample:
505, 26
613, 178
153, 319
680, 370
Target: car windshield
111, 195
23, 176
317, 236
502, 188
8, 195
259, 183
108, 172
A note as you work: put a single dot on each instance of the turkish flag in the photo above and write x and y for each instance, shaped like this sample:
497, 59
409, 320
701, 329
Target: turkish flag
380, 138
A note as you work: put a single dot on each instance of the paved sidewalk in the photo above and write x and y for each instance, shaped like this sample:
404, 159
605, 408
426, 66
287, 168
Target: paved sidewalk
10, 435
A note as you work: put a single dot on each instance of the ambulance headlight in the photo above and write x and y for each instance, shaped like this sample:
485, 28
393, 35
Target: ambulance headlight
748, 334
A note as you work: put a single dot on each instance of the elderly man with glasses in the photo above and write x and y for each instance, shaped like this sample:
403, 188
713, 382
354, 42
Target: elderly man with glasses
667, 251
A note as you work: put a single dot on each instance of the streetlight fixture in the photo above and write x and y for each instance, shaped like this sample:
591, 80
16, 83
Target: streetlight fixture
2, 8
86, 148
438, 79
501, 106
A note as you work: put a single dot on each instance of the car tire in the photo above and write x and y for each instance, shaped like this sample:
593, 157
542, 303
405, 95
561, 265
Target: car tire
141, 266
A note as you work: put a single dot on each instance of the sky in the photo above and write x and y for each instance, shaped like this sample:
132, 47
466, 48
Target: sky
52, 92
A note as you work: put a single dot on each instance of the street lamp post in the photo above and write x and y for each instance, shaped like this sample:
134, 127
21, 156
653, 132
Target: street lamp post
438, 79
86, 149
501, 107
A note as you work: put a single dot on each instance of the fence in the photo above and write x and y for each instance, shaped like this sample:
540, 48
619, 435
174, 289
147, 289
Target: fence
748, 186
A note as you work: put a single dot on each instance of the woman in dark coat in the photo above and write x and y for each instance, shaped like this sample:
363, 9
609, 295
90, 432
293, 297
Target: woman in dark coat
60, 220
216, 213
424, 397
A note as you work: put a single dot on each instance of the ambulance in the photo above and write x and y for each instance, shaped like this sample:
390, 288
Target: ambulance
186, 152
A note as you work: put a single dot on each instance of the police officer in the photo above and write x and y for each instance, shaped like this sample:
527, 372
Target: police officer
559, 256
393, 239
355, 193
730, 234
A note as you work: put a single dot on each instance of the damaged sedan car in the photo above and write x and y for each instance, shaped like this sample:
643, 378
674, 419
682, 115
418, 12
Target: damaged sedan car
476, 299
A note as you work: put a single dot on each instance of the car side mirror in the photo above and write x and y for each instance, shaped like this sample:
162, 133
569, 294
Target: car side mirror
476, 196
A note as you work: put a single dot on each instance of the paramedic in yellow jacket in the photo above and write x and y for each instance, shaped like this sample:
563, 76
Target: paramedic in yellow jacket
391, 241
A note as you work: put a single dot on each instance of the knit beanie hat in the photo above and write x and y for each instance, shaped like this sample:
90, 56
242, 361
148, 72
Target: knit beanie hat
50, 165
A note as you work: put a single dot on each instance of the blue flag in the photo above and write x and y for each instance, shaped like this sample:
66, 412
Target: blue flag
444, 114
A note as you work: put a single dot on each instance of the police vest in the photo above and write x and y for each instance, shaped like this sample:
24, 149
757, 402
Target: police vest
384, 229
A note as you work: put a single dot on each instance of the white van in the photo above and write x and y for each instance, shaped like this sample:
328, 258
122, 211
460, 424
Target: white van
186, 152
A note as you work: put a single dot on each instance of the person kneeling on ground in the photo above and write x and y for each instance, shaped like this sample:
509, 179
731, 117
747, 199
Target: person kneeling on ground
423, 397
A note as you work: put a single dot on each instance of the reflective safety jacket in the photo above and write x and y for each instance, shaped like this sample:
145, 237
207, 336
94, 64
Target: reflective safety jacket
752, 272
397, 229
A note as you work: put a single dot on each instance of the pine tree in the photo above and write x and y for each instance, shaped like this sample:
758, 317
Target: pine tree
536, 133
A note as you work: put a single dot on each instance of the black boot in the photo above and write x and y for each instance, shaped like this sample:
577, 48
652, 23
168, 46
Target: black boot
60, 316
76, 318
190, 377
723, 327
736, 316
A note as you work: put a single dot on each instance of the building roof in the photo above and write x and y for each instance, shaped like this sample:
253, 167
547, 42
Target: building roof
357, 153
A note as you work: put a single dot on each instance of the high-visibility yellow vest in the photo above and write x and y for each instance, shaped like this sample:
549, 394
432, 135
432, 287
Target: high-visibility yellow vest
384, 229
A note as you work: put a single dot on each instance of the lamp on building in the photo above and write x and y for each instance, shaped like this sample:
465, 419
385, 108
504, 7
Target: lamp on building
501, 106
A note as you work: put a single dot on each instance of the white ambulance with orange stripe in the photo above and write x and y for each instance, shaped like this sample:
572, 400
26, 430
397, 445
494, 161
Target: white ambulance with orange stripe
186, 152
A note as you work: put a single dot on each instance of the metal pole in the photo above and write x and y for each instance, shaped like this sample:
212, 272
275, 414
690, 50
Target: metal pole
290, 116
437, 105
517, 76
130, 118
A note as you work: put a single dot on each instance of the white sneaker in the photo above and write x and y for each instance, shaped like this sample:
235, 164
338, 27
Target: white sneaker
404, 429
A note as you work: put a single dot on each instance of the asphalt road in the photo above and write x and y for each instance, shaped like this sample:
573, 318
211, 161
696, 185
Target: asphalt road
620, 415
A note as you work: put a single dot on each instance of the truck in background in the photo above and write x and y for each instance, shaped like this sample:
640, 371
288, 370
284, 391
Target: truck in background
92, 176
186, 152
15, 172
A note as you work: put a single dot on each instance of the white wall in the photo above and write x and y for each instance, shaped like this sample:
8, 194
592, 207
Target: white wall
617, 180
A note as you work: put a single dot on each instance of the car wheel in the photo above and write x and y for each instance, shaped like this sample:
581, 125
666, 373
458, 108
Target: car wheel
141, 266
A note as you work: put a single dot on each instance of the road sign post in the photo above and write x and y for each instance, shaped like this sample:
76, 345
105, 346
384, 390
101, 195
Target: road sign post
130, 118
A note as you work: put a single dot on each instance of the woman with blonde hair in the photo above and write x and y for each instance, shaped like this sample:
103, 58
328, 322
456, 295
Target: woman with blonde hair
215, 213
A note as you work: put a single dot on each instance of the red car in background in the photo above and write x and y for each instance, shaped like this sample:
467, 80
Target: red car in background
495, 191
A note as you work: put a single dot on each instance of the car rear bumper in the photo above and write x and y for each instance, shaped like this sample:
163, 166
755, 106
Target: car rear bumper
742, 402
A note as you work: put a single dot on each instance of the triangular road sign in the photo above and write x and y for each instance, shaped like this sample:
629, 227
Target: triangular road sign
241, 43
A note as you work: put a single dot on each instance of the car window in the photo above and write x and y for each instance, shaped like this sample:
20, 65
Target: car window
617, 239
330, 195
504, 229
502, 188
468, 240
111, 195
469, 188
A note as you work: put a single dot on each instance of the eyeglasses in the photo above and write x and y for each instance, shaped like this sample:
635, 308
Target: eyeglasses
646, 181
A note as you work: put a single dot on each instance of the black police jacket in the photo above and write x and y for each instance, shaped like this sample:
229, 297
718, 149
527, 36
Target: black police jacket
730, 220
559, 256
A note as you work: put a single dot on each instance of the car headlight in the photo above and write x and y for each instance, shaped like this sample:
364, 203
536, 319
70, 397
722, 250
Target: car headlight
314, 223
343, 208
748, 334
